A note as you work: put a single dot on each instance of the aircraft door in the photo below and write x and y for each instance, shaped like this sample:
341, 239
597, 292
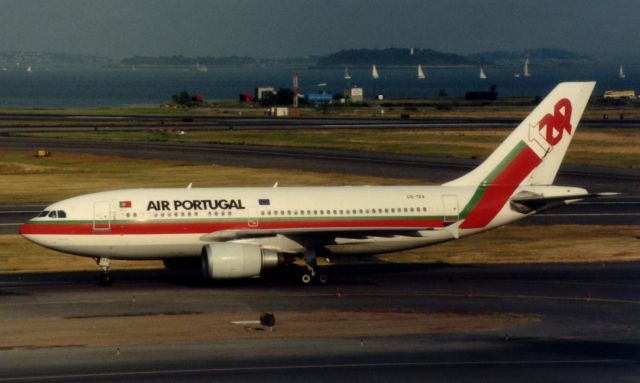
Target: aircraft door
101, 216
451, 212
252, 219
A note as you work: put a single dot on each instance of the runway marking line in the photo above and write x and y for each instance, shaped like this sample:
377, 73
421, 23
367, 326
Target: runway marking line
123, 374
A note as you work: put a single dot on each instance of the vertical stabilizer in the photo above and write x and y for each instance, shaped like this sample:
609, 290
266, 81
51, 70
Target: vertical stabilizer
532, 153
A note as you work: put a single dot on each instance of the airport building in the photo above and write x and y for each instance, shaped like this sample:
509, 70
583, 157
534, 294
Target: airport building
319, 98
264, 92
354, 94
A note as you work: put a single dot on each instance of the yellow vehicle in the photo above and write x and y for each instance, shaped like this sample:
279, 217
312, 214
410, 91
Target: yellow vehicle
41, 153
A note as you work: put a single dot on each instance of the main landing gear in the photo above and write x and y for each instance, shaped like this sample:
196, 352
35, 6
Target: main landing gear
105, 276
310, 272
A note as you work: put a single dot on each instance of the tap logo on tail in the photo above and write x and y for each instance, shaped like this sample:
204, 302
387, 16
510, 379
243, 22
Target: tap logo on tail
548, 132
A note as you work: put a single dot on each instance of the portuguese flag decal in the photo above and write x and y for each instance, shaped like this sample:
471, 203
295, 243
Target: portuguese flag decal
125, 204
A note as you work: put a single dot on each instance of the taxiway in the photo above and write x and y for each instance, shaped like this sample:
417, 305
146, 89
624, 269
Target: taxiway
587, 329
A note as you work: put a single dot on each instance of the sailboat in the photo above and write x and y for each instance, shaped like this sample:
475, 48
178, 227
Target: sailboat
374, 72
526, 68
482, 75
29, 69
421, 75
347, 76
621, 72
201, 68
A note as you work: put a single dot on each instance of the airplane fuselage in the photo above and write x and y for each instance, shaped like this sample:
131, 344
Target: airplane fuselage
238, 232
165, 223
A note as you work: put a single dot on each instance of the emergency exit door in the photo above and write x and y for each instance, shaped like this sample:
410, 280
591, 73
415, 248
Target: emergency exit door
101, 216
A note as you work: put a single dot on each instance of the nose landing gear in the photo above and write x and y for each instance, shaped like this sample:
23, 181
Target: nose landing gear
105, 276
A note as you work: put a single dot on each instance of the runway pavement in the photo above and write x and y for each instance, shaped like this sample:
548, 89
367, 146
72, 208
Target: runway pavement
22, 123
587, 330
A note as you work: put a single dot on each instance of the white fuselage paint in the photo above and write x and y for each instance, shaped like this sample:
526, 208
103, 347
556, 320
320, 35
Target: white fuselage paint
421, 207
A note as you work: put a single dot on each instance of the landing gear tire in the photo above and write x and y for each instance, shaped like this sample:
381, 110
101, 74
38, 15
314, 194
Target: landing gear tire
322, 278
306, 278
106, 279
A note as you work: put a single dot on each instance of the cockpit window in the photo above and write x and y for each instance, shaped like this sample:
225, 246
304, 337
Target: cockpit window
53, 214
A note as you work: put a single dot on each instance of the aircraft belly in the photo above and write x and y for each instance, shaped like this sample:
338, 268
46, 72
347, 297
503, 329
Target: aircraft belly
128, 247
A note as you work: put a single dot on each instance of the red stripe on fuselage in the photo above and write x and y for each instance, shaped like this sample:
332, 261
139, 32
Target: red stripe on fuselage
148, 228
502, 187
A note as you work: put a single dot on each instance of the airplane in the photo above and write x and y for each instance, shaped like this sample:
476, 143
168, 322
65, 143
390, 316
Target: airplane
240, 232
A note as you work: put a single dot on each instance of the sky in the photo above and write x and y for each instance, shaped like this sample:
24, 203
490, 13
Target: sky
293, 28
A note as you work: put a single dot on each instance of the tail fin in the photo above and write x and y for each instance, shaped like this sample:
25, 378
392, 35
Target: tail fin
532, 153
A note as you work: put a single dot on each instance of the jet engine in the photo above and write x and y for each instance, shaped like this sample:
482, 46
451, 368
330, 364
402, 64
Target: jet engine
237, 260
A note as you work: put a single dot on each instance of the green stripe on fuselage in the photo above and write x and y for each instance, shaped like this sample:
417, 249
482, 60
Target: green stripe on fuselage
477, 195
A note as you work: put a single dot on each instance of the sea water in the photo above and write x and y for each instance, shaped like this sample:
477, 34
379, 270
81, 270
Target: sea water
116, 87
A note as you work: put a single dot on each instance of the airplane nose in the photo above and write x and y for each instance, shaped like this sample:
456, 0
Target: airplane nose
26, 232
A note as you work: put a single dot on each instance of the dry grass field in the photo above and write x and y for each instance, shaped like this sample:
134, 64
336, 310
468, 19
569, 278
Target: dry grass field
592, 146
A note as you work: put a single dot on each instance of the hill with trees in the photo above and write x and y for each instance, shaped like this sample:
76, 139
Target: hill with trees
391, 57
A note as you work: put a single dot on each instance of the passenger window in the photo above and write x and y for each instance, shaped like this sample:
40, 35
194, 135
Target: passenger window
62, 214
53, 214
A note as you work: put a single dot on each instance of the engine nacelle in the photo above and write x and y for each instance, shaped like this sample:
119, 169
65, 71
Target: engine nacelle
236, 260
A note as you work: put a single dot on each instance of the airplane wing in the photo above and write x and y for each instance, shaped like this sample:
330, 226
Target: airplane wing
229, 235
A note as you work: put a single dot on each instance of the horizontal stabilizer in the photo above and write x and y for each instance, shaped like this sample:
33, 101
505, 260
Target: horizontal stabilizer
529, 203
